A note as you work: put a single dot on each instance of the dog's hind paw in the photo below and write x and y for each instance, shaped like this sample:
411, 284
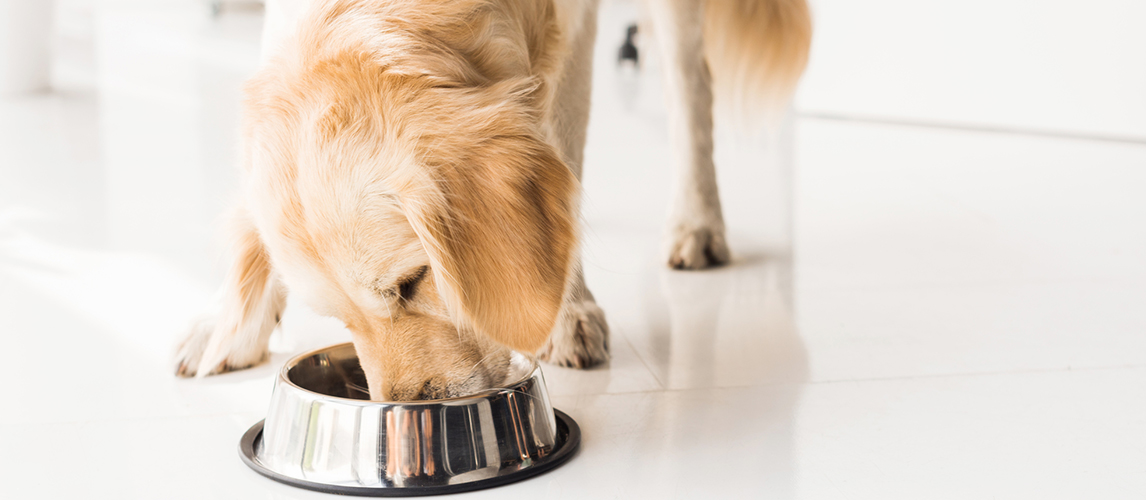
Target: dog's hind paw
580, 339
698, 249
206, 351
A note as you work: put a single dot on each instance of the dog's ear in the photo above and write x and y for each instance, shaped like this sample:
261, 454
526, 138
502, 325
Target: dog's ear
499, 230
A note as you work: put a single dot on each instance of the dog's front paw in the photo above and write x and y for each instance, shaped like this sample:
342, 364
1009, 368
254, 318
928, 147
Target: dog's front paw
580, 339
206, 350
698, 248
190, 349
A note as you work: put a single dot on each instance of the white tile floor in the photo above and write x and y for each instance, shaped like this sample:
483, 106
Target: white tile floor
913, 312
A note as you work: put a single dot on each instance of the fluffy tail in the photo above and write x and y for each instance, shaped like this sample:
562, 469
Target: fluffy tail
756, 51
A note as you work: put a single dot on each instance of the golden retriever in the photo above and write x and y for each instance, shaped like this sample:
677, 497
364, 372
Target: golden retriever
412, 169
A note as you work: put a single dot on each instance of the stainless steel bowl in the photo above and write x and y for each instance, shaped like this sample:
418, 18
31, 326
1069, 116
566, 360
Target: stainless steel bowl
322, 433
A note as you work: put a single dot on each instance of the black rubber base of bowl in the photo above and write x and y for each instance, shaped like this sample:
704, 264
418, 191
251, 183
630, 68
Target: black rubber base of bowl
568, 440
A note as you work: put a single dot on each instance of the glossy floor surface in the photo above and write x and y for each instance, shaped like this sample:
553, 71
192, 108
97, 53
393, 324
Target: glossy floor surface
912, 312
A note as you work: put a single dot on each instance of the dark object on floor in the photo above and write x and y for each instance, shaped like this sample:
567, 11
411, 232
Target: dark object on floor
628, 49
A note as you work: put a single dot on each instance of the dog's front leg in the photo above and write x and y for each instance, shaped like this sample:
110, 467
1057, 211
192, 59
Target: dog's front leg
696, 224
249, 307
580, 338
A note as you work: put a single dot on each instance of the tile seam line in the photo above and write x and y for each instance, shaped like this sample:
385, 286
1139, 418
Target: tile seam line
661, 386
870, 379
682, 389
153, 418
938, 286
1001, 130
1032, 371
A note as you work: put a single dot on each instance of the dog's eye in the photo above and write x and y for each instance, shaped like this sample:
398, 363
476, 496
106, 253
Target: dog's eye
407, 285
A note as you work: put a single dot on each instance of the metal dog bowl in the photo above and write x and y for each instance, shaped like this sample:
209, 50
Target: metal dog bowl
322, 433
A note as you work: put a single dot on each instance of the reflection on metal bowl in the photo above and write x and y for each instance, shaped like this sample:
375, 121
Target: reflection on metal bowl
322, 433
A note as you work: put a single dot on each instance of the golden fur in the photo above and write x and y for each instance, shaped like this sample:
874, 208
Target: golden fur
756, 50
396, 135
410, 170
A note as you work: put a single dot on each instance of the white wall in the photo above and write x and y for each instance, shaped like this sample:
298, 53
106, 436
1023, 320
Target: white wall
1075, 67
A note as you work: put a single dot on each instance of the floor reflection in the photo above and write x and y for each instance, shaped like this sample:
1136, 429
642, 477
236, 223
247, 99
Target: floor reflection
722, 330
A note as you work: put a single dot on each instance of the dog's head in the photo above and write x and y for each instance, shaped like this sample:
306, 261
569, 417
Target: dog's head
430, 217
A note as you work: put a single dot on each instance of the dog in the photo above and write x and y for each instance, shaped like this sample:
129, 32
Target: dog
412, 168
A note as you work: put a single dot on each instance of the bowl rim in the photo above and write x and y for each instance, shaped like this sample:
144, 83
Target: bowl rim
485, 394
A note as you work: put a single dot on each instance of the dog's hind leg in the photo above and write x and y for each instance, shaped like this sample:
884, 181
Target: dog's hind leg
580, 338
250, 305
696, 223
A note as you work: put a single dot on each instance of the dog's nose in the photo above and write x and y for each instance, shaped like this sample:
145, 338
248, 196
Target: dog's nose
429, 389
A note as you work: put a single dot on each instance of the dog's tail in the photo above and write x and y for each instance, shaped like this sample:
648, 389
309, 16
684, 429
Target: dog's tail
756, 51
